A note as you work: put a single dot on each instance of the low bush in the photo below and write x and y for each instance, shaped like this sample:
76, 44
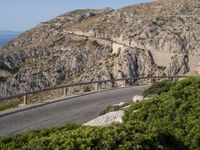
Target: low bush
11, 70
112, 108
175, 113
158, 88
166, 122
136, 135
4, 106
3, 79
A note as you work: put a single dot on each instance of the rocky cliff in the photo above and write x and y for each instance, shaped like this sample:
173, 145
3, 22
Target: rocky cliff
158, 38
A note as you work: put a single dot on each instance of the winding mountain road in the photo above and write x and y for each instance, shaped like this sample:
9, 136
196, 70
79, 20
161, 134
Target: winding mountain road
78, 109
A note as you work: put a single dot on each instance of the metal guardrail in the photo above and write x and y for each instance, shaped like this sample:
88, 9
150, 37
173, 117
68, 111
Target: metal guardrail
64, 87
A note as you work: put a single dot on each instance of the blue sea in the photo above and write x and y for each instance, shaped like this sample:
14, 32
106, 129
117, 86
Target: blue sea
5, 38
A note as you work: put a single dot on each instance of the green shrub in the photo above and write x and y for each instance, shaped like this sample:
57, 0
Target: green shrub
112, 108
116, 137
158, 88
11, 70
175, 113
3, 79
168, 122
86, 89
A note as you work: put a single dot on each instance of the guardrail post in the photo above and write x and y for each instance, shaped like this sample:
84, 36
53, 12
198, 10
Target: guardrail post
174, 79
25, 100
124, 83
65, 91
96, 86
113, 84
133, 82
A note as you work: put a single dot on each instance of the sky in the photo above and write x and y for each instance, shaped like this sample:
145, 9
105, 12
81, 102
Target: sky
21, 15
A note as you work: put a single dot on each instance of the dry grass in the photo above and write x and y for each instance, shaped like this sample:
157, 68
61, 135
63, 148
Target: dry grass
8, 104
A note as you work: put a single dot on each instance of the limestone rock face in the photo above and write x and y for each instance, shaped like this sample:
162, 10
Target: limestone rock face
157, 38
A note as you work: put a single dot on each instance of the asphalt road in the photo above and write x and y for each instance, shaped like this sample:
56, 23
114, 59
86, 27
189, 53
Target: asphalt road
79, 109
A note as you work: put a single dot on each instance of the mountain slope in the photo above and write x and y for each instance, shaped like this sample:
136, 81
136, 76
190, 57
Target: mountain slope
158, 38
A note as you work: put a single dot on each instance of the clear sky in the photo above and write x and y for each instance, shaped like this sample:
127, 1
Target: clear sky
20, 15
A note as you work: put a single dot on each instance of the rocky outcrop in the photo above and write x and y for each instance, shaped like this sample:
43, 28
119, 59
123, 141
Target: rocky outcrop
137, 98
158, 38
107, 119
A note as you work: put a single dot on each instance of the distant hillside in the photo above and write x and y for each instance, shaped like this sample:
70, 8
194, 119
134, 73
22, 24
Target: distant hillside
6, 36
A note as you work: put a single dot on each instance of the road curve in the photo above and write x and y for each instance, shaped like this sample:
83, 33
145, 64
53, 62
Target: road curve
79, 109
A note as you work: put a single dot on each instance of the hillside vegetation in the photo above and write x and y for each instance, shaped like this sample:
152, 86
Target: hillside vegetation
158, 88
169, 121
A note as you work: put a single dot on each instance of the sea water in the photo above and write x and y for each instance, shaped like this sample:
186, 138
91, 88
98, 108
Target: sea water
4, 39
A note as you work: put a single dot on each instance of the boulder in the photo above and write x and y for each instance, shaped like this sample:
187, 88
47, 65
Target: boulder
137, 98
114, 107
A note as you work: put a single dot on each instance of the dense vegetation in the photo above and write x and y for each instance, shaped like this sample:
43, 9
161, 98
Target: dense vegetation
175, 113
158, 88
169, 121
